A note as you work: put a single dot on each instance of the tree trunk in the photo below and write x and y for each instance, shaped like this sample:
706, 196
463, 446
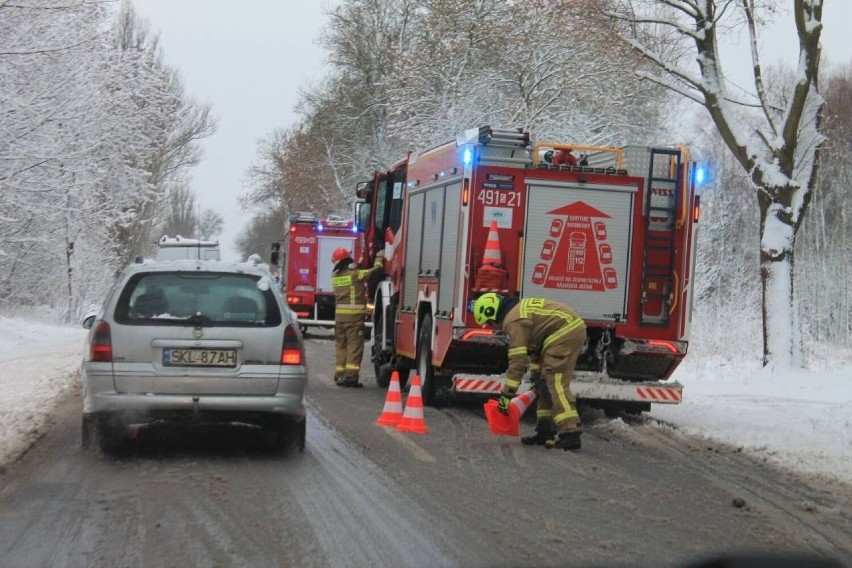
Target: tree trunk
777, 240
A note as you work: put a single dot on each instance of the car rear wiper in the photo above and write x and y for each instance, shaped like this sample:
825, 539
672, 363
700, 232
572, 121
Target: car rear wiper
197, 320
200, 320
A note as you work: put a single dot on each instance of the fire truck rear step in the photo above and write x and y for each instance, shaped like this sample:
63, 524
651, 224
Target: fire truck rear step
587, 388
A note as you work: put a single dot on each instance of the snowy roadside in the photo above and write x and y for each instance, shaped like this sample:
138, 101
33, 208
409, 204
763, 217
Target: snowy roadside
800, 420
39, 363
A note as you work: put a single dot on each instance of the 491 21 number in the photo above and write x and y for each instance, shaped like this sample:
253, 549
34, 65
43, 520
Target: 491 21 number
498, 197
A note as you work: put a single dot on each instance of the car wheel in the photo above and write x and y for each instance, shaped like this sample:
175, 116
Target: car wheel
302, 434
279, 433
109, 435
287, 432
88, 431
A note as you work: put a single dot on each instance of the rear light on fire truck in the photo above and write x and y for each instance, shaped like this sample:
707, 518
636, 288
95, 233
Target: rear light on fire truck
696, 209
465, 191
476, 333
100, 348
660, 344
292, 352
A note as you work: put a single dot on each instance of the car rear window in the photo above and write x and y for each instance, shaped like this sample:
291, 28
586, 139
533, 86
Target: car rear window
206, 298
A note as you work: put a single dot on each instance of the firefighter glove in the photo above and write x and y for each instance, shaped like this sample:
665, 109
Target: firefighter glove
534, 382
503, 403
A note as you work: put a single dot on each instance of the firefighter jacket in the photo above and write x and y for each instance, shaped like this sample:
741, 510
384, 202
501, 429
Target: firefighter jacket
350, 290
533, 325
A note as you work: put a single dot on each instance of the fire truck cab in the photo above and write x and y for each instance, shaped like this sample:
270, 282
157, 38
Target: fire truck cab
608, 231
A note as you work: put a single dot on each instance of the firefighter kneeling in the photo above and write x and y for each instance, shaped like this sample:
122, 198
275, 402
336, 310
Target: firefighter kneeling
350, 311
552, 334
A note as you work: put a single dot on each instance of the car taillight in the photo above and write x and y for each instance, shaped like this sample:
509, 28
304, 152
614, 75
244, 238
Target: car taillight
100, 348
292, 352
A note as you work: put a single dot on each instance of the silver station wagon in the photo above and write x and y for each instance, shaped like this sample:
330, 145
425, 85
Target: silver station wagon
201, 341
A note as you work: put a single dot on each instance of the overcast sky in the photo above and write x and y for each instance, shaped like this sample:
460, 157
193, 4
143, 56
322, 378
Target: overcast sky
250, 59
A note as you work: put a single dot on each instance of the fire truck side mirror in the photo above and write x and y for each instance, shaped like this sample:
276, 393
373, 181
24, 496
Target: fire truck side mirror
364, 190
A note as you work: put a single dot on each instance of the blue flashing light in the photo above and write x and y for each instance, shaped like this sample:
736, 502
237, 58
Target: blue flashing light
354, 228
467, 157
320, 227
701, 174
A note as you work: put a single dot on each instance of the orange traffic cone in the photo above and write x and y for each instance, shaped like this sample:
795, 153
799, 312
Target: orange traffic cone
392, 412
520, 404
508, 424
412, 418
492, 247
491, 275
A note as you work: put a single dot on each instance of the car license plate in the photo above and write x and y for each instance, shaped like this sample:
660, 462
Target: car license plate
199, 358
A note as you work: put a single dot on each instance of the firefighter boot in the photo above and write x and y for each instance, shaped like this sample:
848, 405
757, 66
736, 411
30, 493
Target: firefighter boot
543, 435
351, 382
568, 440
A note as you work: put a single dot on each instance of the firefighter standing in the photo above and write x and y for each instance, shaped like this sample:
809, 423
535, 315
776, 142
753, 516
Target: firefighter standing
551, 335
350, 311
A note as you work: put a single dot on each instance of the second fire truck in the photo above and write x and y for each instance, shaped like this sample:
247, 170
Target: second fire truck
306, 273
609, 231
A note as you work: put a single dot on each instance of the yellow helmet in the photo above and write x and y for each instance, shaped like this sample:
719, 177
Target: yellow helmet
485, 308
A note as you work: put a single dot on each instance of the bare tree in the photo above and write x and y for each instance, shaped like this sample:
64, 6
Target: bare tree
94, 130
279, 180
172, 122
181, 215
264, 229
778, 145
210, 224
823, 249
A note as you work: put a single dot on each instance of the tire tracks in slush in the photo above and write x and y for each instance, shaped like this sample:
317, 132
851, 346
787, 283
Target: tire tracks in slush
820, 509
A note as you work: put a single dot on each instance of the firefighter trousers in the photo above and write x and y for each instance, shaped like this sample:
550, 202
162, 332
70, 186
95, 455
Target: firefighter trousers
348, 349
556, 409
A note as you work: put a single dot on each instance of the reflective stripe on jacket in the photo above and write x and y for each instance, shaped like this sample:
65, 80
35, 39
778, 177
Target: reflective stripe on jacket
532, 326
350, 289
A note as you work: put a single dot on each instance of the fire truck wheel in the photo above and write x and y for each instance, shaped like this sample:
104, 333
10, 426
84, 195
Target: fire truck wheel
432, 396
383, 374
384, 371
626, 408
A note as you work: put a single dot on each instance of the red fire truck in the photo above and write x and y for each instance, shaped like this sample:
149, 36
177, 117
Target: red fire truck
306, 276
609, 231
